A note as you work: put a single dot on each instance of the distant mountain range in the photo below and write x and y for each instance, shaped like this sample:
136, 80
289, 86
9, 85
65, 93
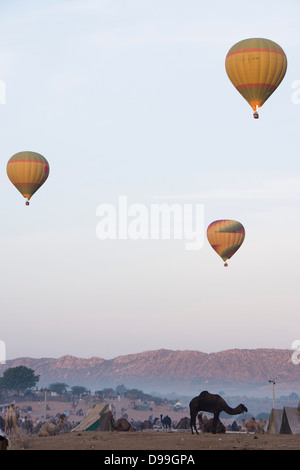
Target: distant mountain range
244, 371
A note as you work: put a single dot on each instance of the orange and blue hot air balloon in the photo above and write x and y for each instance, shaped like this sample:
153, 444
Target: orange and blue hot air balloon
256, 67
27, 171
225, 237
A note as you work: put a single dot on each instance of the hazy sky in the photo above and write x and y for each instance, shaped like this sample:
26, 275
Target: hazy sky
131, 98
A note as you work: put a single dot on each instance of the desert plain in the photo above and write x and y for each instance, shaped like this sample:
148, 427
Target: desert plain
179, 441
175, 440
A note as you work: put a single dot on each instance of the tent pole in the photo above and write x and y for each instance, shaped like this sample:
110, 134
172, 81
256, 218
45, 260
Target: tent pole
272, 381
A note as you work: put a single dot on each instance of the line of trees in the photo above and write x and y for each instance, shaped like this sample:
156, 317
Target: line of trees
21, 379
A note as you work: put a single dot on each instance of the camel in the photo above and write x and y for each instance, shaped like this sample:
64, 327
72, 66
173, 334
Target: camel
51, 429
251, 425
202, 419
36, 427
121, 424
261, 426
137, 425
147, 424
208, 426
28, 425
184, 423
166, 422
2, 423
213, 404
4, 441
11, 421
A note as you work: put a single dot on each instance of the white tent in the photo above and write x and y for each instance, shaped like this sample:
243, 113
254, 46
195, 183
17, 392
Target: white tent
290, 423
274, 422
97, 419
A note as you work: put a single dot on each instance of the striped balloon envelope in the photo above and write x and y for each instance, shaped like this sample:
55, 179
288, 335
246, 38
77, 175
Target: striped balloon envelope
225, 237
256, 67
27, 171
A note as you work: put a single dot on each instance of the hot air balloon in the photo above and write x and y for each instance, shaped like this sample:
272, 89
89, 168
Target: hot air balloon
256, 67
225, 237
27, 171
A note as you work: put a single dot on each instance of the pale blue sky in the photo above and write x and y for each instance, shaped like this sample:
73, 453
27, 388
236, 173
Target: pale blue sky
132, 98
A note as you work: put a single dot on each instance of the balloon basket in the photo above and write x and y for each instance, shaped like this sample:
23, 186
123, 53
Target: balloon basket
225, 265
27, 203
255, 115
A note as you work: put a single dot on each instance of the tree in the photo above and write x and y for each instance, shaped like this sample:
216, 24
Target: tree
58, 388
19, 378
134, 393
293, 396
106, 393
78, 390
121, 389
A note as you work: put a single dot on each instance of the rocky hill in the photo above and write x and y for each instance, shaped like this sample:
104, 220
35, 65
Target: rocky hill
233, 371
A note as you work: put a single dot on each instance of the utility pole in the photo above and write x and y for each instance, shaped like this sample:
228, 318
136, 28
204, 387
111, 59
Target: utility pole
45, 391
272, 381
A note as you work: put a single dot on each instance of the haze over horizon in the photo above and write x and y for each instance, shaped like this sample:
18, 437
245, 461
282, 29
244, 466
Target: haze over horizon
132, 99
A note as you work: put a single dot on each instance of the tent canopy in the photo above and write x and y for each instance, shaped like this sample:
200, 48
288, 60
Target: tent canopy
274, 422
97, 419
290, 421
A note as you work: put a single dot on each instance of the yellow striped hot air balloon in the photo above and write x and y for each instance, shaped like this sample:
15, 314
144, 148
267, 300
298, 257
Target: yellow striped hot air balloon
27, 171
256, 67
225, 237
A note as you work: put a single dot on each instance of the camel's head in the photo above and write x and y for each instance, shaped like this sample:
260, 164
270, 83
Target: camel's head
243, 408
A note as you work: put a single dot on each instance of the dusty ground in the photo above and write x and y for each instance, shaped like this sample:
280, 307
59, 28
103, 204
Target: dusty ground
158, 440
175, 440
